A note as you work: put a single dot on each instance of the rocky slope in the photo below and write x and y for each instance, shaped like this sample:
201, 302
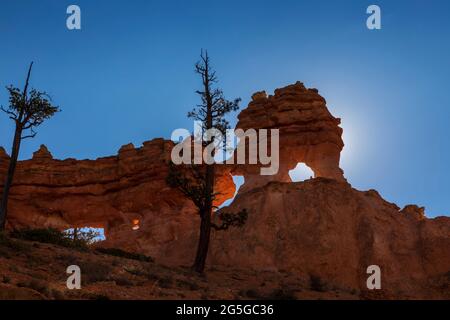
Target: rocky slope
38, 271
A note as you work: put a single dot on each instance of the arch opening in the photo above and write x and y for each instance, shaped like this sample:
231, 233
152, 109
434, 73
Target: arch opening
89, 234
238, 181
301, 172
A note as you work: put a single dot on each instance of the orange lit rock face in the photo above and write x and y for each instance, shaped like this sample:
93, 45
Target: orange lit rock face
308, 133
110, 193
3, 155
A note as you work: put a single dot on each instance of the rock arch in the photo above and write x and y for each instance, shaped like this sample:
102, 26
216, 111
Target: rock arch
308, 133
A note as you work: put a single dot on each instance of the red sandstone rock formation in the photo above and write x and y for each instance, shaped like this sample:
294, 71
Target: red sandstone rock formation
308, 133
327, 229
3, 155
320, 227
110, 193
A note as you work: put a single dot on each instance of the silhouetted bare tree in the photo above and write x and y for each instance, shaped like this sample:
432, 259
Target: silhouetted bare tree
197, 182
28, 110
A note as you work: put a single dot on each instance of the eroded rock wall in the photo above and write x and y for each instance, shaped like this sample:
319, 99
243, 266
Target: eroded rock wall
326, 229
308, 133
110, 193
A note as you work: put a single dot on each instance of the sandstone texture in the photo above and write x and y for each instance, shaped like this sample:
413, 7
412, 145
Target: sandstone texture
308, 133
110, 193
326, 229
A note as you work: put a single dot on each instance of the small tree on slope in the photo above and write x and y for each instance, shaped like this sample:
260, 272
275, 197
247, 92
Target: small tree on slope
196, 182
28, 110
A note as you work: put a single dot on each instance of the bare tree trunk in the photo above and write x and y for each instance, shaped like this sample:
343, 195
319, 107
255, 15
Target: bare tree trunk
203, 243
205, 225
10, 176
75, 233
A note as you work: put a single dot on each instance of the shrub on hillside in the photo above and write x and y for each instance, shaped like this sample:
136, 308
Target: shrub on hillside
316, 283
87, 235
94, 271
50, 235
124, 254
8, 243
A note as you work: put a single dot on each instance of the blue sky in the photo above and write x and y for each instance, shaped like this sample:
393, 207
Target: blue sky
127, 76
